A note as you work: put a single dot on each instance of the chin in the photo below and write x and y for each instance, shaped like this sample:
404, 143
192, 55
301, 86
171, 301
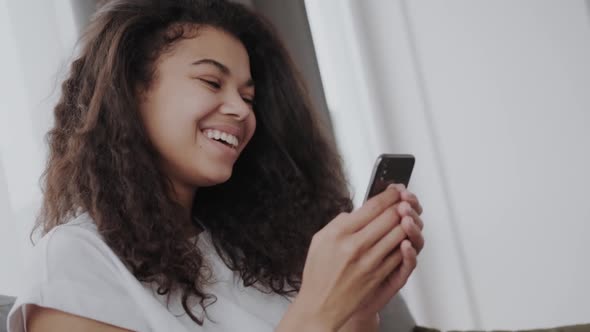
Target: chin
216, 178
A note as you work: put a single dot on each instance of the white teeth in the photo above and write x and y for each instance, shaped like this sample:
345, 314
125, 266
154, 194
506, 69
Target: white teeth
218, 135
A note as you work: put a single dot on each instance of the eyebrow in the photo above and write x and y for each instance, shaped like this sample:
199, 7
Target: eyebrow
222, 68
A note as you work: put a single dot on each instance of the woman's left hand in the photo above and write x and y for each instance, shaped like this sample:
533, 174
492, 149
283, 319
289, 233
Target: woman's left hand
411, 207
410, 210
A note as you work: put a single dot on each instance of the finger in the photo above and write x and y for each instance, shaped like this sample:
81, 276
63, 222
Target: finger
400, 186
389, 265
411, 198
410, 258
384, 247
414, 233
405, 209
371, 209
380, 278
419, 222
398, 278
377, 229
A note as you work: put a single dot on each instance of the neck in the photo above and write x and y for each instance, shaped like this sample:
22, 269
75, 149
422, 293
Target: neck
185, 196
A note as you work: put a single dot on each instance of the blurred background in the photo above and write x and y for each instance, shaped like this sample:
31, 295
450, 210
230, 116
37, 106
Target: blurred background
491, 96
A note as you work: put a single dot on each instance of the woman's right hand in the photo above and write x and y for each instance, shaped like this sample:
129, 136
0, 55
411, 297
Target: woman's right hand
347, 261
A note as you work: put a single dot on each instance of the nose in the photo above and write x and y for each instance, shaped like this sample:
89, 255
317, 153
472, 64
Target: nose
236, 107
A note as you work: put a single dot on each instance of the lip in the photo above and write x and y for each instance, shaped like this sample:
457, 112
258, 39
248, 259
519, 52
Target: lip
237, 131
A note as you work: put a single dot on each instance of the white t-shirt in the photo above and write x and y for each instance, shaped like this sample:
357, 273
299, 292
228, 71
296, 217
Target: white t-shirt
73, 270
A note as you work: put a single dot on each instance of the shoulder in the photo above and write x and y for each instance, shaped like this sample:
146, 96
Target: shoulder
69, 250
72, 270
80, 232
75, 232
73, 248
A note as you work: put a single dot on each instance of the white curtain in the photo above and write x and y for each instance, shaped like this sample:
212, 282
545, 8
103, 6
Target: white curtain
492, 97
37, 39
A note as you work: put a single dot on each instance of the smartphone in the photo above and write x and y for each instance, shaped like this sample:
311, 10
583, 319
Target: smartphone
388, 169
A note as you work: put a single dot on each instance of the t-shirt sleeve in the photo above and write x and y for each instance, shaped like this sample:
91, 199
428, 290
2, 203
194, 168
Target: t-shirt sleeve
74, 271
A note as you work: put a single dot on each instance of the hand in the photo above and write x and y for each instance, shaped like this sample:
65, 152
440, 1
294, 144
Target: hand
347, 262
410, 210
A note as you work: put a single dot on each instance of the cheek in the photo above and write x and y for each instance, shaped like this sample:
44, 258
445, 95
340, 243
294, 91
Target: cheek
168, 126
172, 122
251, 125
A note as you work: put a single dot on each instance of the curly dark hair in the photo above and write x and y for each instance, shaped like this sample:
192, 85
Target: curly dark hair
287, 184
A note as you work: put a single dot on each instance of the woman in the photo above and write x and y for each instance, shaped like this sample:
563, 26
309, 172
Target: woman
190, 187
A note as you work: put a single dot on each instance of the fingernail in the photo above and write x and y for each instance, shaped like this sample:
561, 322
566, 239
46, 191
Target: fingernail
405, 207
392, 186
400, 186
408, 220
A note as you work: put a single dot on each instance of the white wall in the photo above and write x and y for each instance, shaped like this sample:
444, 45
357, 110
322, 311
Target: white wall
493, 98
37, 39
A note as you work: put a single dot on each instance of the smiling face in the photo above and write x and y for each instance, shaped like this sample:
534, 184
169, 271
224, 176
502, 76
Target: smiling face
198, 110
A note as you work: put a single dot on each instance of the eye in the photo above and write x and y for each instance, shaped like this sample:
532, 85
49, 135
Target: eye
248, 101
212, 84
